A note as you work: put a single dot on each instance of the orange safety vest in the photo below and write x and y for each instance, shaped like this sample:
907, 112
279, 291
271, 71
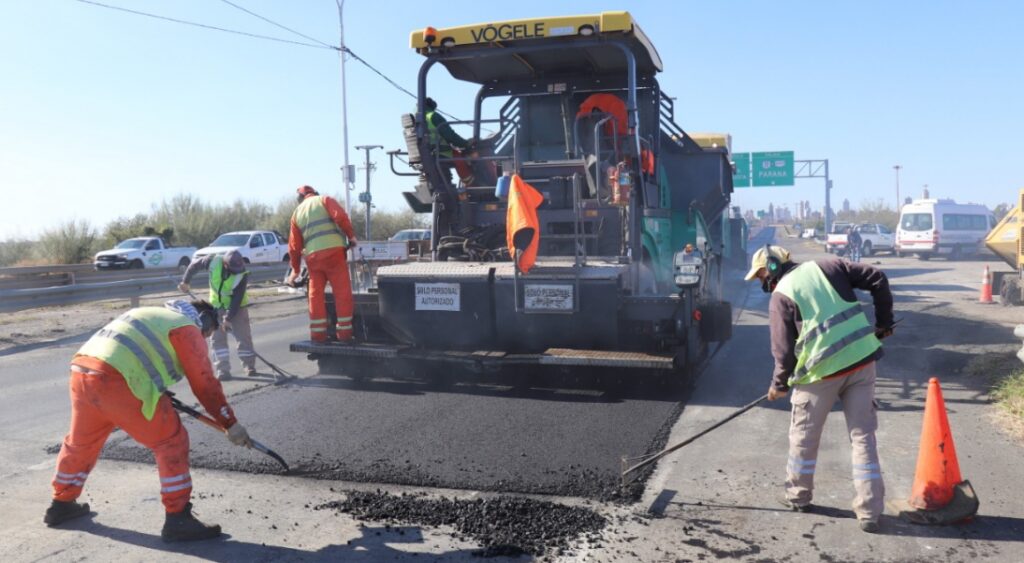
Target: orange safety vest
521, 224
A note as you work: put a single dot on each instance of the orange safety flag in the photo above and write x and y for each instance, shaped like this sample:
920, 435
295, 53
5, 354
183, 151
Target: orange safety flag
522, 229
647, 162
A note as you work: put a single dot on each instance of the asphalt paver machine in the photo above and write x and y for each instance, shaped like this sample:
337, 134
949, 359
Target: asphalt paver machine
628, 275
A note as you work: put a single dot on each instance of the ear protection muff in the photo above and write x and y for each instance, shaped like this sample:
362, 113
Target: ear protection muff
772, 264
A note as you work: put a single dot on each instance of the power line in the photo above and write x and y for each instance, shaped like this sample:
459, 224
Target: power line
205, 26
379, 73
392, 82
317, 43
271, 22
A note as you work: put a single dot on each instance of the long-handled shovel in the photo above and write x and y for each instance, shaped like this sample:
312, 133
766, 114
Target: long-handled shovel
178, 405
631, 464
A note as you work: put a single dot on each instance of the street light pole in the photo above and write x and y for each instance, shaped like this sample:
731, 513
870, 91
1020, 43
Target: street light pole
348, 180
365, 197
898, 204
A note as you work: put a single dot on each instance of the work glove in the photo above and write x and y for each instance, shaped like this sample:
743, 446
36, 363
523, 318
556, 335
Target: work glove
883, 332
353, 243
774, 393
238, 436
184, 287
226, 325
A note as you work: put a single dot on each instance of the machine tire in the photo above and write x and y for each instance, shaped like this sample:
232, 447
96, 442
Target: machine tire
183, 263
924, 256
246, 260
136, 265
866, 250
957, 254
1009, 292
286, 258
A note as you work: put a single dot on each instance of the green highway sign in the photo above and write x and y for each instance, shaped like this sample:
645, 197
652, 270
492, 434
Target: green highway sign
741, 176
772, 168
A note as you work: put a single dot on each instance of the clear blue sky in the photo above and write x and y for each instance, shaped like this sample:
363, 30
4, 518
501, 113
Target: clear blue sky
103, 113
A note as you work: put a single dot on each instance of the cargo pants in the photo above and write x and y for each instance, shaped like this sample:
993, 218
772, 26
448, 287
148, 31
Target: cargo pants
241, 329
811, 405
102, 401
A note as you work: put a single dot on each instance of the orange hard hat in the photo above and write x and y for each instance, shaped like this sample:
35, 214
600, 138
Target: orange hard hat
306, 190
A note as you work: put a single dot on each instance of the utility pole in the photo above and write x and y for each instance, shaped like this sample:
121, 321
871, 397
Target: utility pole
365, 196
348, 176
899, 205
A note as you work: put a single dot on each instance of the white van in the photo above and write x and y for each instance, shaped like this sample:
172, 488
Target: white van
930, 227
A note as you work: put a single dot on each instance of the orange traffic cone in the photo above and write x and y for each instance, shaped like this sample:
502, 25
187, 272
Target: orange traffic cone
939, 494
986, 287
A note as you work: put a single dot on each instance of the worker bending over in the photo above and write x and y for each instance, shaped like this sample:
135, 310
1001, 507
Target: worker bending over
229, 280
825, 349
322, 233
118, 380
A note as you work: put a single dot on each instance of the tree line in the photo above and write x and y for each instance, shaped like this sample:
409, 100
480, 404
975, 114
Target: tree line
183, 220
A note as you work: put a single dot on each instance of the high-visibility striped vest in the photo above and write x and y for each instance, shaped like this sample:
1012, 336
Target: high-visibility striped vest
221, 288
834, 334
137, 345
319, 232
436, 140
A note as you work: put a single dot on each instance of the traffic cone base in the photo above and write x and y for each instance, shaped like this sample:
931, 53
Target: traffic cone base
963, 506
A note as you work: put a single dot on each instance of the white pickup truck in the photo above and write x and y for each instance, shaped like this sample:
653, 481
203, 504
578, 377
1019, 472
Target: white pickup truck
255, 246
874, 238
144, 252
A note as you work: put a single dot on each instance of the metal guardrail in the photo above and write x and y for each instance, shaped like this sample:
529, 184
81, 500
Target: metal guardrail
54, 275
12, 300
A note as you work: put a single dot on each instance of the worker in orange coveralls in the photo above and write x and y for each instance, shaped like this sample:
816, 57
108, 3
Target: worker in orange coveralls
322, 233
118, 379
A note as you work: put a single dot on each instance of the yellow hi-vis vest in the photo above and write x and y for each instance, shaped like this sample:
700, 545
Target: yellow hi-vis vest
834, 333
222, 288
319, 232
137, 345
436, 140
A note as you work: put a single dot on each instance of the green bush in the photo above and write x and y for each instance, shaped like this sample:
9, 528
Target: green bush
16, 251
71, 242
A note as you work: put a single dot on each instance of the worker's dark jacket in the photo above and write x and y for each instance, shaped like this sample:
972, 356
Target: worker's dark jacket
784, 316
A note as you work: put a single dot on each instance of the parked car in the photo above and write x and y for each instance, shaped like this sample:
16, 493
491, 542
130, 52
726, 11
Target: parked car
931, 227
143, 252
835, 240
255, 246
411, 234
874, 238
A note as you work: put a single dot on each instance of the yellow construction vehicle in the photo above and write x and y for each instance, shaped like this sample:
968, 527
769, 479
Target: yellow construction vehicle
631, 237
1005, 241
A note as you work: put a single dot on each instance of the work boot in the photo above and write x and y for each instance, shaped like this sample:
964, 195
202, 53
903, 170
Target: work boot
250, 372
183, 526
869, 526
794, 507
223, 376
62, 511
